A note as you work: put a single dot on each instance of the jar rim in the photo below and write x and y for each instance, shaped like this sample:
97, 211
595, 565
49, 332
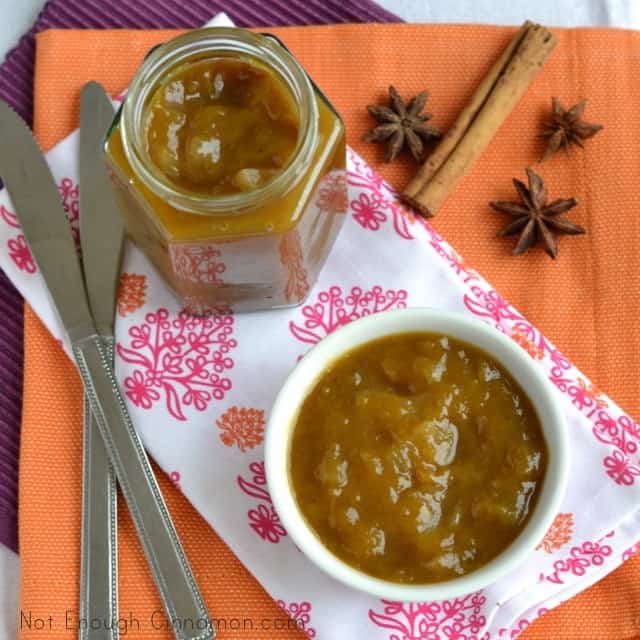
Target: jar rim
198, 43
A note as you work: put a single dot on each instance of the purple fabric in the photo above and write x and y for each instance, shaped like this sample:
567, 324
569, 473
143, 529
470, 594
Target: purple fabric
10, 408
16, 88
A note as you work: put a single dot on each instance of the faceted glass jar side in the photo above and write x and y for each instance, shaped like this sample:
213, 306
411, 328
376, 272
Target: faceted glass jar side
263, 256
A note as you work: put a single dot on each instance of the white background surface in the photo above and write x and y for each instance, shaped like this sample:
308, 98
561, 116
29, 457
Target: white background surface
18, 15
561, 13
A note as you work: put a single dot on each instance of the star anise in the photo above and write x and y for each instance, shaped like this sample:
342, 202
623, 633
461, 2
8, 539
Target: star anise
566, 127
402, 123
534, 218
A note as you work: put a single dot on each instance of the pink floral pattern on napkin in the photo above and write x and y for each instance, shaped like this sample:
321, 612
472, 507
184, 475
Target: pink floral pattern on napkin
457, 619
9, 217
633, 550
182, 358
334, 308
300, 613
174, 476
263, 519
17, 247
582, 558
520, 626
21, 254
70, 196
377, 204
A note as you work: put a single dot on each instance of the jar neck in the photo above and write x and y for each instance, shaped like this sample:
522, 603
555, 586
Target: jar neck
200, 45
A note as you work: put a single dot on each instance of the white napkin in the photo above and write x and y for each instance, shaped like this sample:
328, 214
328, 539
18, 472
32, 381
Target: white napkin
199, 391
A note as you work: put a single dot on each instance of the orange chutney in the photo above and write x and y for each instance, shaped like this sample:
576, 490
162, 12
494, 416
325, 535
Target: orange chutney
221, 126
230, 168
417, 458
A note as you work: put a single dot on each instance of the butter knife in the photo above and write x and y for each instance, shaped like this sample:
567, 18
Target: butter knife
36, 201
101, 238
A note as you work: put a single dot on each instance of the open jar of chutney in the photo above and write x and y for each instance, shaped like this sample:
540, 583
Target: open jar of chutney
230, 170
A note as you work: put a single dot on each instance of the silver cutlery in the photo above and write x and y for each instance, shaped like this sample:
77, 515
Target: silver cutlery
101, 239
36, 201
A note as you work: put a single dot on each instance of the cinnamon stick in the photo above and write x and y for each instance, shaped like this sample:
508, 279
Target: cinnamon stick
477, 124
460, 126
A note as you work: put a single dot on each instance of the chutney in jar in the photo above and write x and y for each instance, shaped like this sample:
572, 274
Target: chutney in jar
221, 126
230, 169
417, 458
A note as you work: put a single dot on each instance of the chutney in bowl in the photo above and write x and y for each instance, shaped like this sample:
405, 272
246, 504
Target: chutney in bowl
417, 454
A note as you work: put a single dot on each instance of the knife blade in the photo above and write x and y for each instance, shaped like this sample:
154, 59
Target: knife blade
42, 213
35, 198
101, 225
101, 238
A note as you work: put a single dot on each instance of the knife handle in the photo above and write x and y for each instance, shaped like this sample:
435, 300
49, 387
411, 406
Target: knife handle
99, 555
186, 612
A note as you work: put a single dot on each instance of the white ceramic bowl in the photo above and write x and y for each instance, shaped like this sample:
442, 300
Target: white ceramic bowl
302, 380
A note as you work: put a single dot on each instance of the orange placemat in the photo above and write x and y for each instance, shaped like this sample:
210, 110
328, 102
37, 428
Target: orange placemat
585, 302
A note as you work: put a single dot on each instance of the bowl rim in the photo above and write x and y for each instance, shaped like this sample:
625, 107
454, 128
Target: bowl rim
528, 374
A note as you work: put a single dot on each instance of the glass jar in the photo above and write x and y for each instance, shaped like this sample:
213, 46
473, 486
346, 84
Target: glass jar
257, 249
